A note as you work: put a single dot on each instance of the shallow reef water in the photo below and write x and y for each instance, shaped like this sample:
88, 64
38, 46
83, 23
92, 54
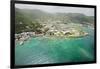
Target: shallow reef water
41, 50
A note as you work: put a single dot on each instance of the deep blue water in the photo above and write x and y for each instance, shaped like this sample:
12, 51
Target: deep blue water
40, 50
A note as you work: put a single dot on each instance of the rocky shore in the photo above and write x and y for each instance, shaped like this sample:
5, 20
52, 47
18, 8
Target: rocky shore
72, 32
23, 36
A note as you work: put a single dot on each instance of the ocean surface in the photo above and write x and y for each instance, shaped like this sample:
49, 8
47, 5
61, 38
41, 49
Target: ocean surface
40, 50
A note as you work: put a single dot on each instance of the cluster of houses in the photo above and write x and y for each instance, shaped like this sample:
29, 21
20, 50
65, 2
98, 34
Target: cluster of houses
53, 30
23, 36
68, 33
64, 30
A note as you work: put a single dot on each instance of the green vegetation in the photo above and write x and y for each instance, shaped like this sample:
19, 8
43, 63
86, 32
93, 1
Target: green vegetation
24, 24
45, 23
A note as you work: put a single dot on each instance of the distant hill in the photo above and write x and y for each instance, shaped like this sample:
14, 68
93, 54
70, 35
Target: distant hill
27, 19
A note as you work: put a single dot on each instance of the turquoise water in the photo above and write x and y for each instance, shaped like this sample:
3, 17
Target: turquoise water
40, 50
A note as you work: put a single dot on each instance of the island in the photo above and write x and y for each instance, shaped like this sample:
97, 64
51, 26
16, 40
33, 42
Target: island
37, 23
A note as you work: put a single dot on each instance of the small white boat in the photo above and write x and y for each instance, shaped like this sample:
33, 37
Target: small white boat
21, 43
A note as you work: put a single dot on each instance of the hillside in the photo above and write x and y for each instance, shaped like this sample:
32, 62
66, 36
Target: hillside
27, 20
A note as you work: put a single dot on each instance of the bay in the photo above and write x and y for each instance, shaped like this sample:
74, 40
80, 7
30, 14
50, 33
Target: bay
41, 50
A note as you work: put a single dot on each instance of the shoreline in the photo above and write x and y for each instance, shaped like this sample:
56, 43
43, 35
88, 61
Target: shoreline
22, 37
